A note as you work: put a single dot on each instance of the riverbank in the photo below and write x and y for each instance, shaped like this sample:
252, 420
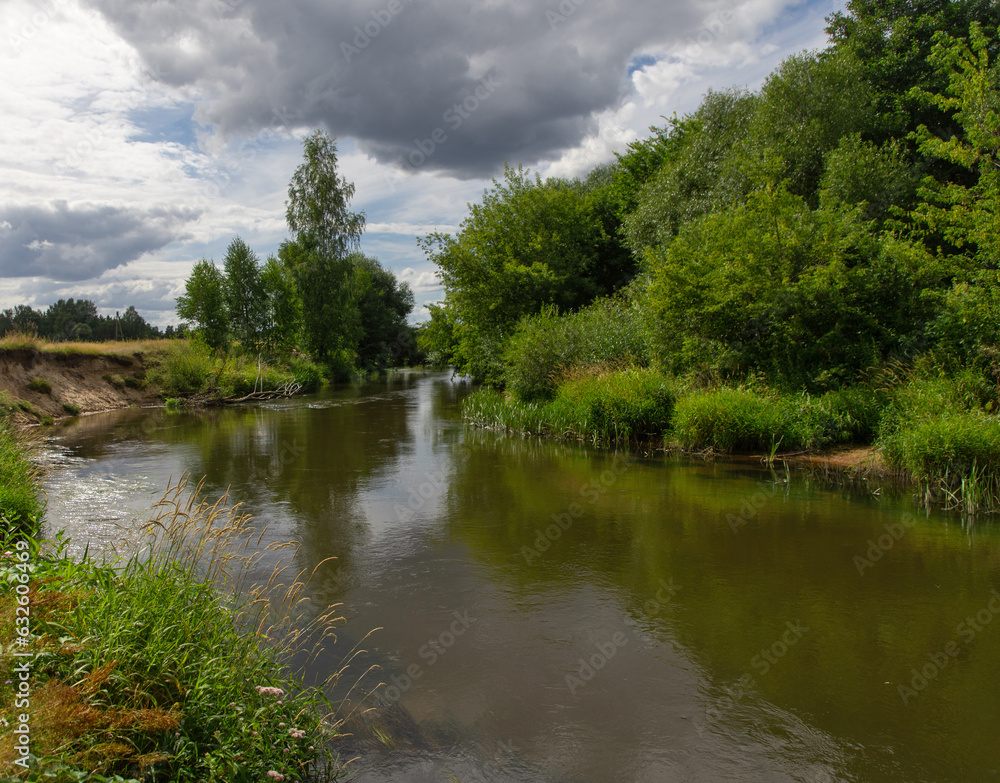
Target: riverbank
41, 381
935, 433
124, 671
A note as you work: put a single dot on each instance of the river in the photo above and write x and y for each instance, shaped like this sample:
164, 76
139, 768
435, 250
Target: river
549, 612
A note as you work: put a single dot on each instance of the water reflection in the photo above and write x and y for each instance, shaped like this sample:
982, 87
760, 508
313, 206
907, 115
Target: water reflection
555, 613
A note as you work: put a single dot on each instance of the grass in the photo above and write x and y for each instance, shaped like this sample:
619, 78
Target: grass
114, 349
19, 496
168, 666
40, 385
596, 405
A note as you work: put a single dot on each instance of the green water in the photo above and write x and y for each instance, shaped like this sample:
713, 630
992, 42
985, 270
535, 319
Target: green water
552, 613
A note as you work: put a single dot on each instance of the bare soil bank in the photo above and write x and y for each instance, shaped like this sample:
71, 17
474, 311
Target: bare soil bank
89, 382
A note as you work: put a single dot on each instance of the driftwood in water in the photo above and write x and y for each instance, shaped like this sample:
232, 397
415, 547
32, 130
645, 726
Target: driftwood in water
289, 389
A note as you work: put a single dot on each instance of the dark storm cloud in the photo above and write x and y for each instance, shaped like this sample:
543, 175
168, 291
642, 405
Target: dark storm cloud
463, 84
69, 243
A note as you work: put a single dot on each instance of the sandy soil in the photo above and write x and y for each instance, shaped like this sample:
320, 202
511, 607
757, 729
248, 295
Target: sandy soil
92, 383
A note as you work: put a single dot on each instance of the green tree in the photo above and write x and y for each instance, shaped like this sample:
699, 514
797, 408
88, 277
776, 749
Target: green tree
324, 233
203, 303
383, 305
809, 297
244, 292
331, 323
437, 337
528, 244
318, 197
966, 215
282, 307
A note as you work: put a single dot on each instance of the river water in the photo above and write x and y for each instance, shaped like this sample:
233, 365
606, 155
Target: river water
549, 612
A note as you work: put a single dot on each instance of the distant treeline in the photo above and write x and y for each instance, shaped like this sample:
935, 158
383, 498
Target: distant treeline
78, 319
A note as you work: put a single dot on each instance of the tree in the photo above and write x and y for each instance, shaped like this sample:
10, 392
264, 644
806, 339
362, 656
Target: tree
331, 324
383, 305
204, 303
966, 216
318, 198
528, 244
244, 293
324, 234
282, 307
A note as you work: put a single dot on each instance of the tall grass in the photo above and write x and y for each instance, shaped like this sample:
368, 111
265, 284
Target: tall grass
15, 342
596, 405
19, 495
168, 666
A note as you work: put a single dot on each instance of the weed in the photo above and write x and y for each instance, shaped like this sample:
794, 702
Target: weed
40, 385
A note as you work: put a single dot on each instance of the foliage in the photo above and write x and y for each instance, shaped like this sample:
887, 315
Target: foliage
76, 319
204, 303
383, 305
546, 345
965, 216
437, 338
318, 197
613, 406
136, 669
41, 385
19, 493
245, 295
528, 244
808, 296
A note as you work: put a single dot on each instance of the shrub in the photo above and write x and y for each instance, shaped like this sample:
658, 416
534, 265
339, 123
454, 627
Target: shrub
546, 345
946, 446
613, 406
742, 420
40, 385
187, 369
306, 373
71, 409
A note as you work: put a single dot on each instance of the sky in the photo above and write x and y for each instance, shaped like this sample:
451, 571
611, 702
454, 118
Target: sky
139, 137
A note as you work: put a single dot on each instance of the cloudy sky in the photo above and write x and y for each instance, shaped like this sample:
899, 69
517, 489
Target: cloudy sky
138, 137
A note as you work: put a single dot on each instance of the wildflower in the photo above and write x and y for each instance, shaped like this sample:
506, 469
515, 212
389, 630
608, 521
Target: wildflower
276, 775
311, 748
264, 690
296, 733
281, 725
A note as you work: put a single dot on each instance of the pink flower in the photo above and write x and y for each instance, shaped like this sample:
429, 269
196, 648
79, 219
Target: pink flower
264, 690
281, 725
276, 775
296, 733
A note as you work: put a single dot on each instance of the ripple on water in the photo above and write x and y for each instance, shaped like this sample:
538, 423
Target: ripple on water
95, 507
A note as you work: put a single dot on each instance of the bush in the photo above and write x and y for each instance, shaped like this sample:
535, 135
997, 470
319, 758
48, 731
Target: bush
613, 406
40, 385
742, 420
187, 369
546, 345
306, 373
72, 410
945, 446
